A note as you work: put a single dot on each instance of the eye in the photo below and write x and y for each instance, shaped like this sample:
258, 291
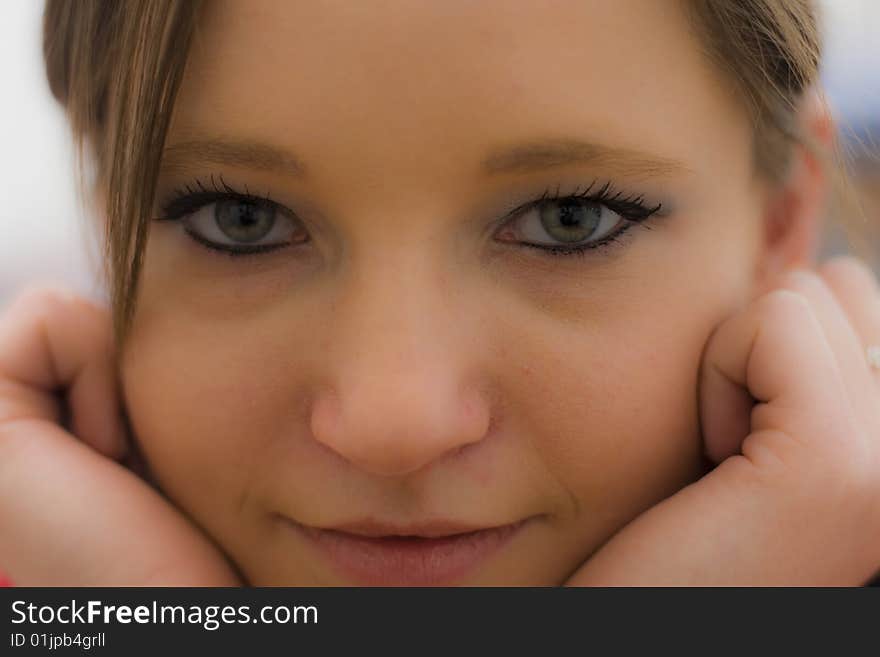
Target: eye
251, 224
566, 222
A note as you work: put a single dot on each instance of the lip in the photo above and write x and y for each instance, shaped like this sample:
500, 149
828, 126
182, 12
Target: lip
436, 553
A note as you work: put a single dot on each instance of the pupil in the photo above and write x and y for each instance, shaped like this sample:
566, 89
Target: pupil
569, 216
570, 221
243, 221
246, 214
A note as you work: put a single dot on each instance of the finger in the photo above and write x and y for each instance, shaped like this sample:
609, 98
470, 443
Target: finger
772, 358
52, 340
88, 521
856, 289
840, 333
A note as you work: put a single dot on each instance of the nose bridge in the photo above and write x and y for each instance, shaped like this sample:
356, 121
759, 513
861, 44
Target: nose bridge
400, 396
392, 300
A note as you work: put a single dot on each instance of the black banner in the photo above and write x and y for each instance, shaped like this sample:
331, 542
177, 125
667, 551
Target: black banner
147, 621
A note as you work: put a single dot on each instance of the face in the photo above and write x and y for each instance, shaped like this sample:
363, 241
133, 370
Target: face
416, 339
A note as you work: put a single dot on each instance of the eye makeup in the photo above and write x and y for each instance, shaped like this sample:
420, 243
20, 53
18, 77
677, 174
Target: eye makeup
631, 210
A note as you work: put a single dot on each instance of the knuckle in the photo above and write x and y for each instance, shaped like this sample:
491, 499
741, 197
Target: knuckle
784, 303
43, 298
47, 302
848, 267
97, 314
845, 262
800, 280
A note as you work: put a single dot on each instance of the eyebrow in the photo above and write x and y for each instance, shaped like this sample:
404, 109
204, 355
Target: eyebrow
551, 153
524, 157
241, 153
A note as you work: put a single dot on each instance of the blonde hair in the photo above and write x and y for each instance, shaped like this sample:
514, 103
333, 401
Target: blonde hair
116, 67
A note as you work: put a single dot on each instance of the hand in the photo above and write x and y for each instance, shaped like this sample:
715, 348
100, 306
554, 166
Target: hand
791, 410
70, 514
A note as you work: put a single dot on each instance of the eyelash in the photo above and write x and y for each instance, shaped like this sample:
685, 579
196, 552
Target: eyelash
632, 209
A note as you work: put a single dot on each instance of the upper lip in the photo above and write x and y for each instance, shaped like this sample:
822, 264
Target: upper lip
427, 529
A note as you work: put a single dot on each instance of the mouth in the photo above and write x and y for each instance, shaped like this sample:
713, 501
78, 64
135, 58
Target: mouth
429, 554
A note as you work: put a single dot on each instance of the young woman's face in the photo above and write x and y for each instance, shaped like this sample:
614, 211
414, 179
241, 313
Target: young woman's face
431, 351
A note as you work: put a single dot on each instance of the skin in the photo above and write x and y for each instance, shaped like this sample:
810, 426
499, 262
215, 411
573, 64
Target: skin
404, 364
560, 382
411, 361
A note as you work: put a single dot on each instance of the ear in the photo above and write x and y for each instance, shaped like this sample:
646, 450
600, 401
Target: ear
794, 210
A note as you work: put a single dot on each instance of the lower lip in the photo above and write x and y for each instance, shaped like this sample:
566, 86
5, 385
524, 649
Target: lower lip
407, 561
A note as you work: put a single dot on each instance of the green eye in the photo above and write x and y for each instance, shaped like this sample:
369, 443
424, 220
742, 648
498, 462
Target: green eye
244, 221
570, 221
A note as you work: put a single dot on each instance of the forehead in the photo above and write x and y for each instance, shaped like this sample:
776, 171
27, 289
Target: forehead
410, 84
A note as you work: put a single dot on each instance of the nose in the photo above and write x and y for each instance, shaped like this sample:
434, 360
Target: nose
403, 392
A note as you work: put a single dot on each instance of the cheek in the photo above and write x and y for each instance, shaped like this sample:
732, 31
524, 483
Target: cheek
203, 380
618, 424
611, 400
207, 409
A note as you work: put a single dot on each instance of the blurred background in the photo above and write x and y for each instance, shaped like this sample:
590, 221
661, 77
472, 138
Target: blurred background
46, 236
